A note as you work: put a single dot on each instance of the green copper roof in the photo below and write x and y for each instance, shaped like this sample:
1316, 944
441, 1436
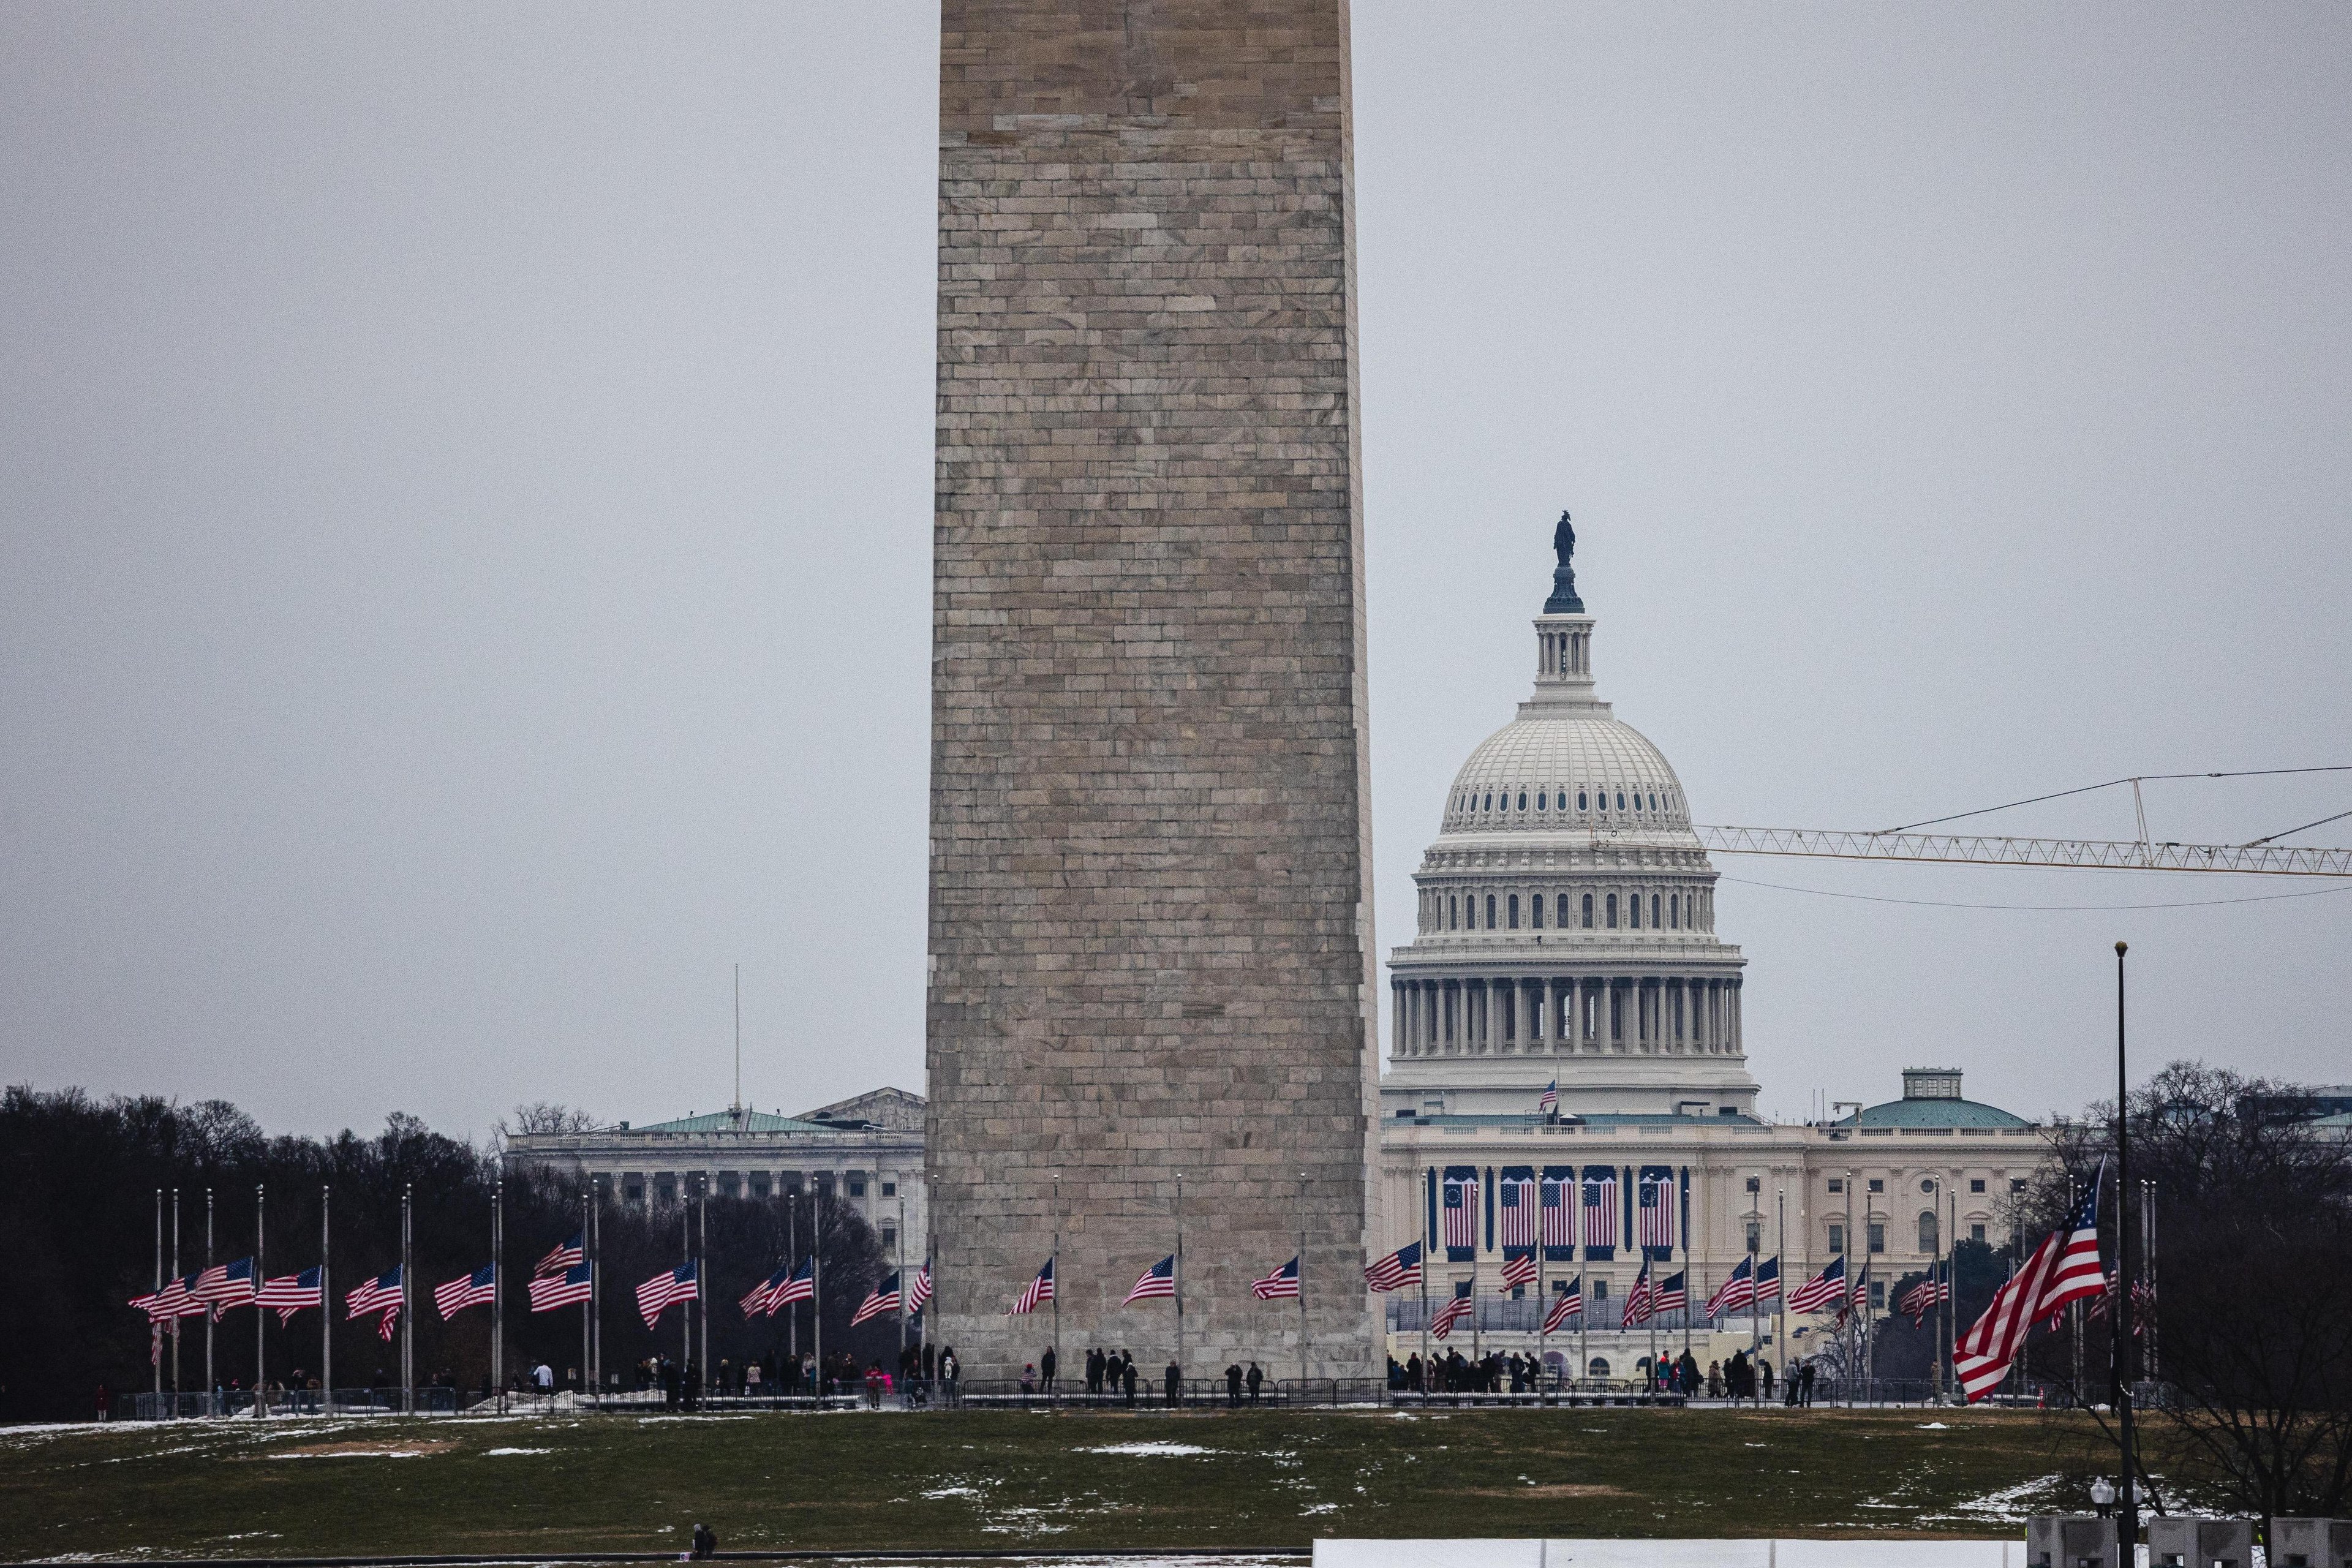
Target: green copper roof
1934, 1113
728, 1121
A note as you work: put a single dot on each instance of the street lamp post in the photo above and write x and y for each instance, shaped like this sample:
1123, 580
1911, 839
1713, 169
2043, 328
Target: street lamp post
2129, 1528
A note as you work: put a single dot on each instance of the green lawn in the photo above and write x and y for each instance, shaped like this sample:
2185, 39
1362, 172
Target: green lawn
994, 1479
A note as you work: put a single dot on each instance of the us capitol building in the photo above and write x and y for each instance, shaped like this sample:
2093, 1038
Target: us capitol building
1566, 935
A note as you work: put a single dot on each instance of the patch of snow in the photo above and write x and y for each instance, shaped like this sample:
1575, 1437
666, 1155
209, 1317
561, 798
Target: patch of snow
518, 1450
1933, 1426
1159, 1448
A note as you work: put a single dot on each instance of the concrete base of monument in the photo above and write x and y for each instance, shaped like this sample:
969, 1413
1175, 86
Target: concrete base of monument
1874, 1553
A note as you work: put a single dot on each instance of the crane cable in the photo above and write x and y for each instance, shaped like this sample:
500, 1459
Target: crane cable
2139, 778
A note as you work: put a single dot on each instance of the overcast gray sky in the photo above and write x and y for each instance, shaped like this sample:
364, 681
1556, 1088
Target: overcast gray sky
465, 518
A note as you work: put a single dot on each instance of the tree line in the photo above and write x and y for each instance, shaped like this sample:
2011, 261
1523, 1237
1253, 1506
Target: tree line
78, 1237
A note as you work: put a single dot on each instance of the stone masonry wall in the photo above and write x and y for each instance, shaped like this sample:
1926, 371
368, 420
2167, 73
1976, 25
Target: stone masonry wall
1151, 920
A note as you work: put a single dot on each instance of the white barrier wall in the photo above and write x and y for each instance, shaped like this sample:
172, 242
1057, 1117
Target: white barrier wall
1869, 1553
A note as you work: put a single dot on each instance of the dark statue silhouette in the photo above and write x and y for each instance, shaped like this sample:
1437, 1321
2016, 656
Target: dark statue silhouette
1563, 600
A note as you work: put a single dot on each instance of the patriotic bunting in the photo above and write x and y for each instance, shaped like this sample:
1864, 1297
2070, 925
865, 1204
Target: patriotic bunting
1461, 1224
1558, 1207
1600, 1206
1515, 1200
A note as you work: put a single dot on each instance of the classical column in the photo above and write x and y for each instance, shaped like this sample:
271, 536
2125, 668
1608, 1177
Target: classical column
1397, 1047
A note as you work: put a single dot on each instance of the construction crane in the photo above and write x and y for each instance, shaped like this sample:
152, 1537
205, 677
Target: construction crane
2099, 854
2262, 857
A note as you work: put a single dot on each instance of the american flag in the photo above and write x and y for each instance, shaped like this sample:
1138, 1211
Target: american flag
1395, 1271
883, 1299
1515, 1196
1768, 1281
569, 1289
1601, 1210
388, 1323
1282, 1284
1556, 1211
572, 1250
2078, 1271
177, 1299
656, 1295
1040, 1291
1822, 1289
1657, 1224
381, 1294
1155, 1283
289, 1293
1923, 1296
757, 1301
1453, 1311
1566, 1305
800, 1287
1735, 1292
1670, 1295
920, 1291
1548, 1102
467, 1290
225, 1285
1462, 1210
1518, 1268
2143, 1302
1639, 1302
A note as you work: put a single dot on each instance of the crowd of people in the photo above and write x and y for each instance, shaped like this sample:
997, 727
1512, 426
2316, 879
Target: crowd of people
1741, 1378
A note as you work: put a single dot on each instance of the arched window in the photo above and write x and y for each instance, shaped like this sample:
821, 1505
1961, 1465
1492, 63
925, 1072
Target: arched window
1490, 911
1587, 911
1534, 911
1523, 800
1613, 911
1579, 800
1653, 912
1928, 1232
1453, 913
1514, 912
1637, 800
1620, 800
1633, 912
1490, 802
1673, 912
1540, 798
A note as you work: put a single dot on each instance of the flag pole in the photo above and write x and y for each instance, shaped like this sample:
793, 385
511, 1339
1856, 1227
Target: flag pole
2124, 1314
900, 1267
1179, 1272
793, 1319
326, 1310
260, 1318
1543, 1299
1428, 1197
498, 1295
816, 1296
1780, 1297
407, 1301
701, 1302
155, 1358
1054, 1259
212, 1381
176, 1319
1303, 1372
686, 1318
596, 1289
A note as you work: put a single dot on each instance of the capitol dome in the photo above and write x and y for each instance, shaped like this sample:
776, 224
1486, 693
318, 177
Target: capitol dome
1565, 923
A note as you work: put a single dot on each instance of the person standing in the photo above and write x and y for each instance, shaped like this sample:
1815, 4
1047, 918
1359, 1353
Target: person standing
1126, 1375
1045, 1364
1175, 1380
1256, 1378
1764, 1371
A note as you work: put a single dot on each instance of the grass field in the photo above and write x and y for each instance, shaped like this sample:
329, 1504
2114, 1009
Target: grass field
994, 1479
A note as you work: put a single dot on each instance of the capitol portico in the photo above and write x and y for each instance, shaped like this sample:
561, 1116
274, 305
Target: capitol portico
1565, 939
